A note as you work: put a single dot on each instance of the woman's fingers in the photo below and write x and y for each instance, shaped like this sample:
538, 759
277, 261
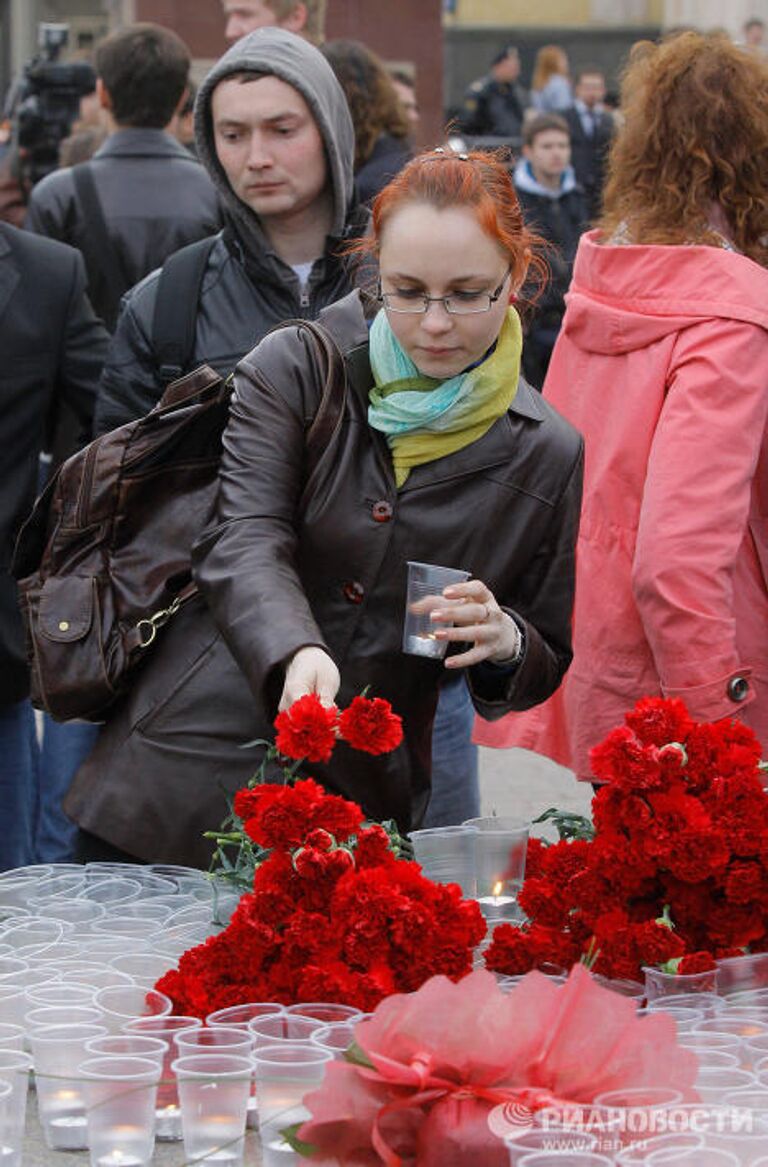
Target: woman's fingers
310, 670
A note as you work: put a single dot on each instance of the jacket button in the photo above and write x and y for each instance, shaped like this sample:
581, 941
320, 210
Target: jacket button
354, 592
738, 689
381, 511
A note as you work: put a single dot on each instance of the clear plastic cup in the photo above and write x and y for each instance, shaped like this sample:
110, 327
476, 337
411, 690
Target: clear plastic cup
447, 855
427, 579
120, 1103
14, 1072
285, 1072
213, 1092
57, 1054
500, 850
238, 1016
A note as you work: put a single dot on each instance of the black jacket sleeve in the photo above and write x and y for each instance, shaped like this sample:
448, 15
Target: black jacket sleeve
129, 385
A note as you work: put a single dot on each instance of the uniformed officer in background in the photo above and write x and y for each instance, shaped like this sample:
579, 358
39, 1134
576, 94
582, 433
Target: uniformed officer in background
494, 105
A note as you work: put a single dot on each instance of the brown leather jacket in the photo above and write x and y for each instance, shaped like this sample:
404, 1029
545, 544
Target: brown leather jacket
294, 563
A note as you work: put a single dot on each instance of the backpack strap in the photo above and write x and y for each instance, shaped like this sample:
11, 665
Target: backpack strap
110, 263
176, 308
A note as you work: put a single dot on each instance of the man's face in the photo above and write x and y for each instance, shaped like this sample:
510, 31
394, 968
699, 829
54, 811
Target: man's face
508, 68
590, 88
754, 33
244, 16
269, 146
549, 153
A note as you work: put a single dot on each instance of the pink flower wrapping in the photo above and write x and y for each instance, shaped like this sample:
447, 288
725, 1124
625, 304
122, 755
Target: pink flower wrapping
442, 1059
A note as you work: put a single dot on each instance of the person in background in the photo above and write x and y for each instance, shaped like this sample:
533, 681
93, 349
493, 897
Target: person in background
53, 350
183, 124
591, 128
555, 208
152, 196
150, 199
305, 576
494, 106
381, 124
244, 16
661, 363
551, 87
754, 36
405, 88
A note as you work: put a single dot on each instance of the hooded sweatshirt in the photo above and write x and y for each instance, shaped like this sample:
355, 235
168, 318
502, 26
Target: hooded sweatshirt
662, 363
247, 288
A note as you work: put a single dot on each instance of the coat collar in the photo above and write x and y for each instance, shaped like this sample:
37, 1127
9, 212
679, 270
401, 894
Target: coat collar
346, 321
141, 143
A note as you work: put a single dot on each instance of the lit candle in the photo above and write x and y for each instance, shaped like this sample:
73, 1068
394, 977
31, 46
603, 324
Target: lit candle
496, 904
168, 1123
118, 1158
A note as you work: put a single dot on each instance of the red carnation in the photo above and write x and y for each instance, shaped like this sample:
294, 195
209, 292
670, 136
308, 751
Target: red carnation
371, 726
622, 758
657, 721
306, 730
696, 962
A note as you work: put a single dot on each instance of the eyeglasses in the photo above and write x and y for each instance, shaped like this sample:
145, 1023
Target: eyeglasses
415, 303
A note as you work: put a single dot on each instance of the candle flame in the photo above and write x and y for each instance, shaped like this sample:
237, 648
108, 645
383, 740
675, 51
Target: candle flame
498, 888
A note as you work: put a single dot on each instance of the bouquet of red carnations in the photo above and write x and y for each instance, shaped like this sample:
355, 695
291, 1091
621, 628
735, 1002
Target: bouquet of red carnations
332, 914
675, 873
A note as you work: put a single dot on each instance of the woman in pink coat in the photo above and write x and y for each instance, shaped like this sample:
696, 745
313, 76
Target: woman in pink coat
662, 363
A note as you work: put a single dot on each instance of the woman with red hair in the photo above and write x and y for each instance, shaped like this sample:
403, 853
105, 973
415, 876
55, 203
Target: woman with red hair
439, 453
662, 363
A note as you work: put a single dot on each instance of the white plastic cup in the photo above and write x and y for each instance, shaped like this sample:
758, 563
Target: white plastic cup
427, 579
213, 1092
14, 1072
120, 1104
285, 1072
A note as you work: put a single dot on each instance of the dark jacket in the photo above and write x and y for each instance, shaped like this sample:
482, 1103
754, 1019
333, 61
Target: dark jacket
243, 296
324, 562
493, 109
247, 289
155, 198
52, 351
388, 157
561, 218
589, 155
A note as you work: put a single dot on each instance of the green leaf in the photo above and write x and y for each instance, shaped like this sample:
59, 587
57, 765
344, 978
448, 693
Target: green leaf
291, 1136
568, 825
357, 1056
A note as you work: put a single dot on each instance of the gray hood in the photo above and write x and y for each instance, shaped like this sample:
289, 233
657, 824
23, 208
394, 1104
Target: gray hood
282, 54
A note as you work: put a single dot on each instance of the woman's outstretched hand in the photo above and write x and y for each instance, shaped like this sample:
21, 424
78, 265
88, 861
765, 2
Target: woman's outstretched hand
310, 670
476, 617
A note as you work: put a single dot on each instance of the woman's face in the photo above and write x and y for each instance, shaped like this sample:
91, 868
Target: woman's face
442, 253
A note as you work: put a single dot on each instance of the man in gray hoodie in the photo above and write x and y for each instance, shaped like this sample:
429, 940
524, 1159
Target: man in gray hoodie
274, 132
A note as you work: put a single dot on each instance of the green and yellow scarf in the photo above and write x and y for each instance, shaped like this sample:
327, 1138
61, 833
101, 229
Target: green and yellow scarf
425, 418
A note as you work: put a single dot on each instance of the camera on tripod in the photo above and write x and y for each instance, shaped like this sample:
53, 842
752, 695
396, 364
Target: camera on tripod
45, 103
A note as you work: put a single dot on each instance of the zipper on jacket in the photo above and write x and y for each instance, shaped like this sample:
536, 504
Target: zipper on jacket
85, 485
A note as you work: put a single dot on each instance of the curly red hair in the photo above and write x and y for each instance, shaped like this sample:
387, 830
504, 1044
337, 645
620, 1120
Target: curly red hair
695, 138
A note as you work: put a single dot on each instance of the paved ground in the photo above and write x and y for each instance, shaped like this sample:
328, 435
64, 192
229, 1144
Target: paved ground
519, 783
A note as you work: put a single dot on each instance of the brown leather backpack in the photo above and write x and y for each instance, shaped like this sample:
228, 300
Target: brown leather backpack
103, 562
